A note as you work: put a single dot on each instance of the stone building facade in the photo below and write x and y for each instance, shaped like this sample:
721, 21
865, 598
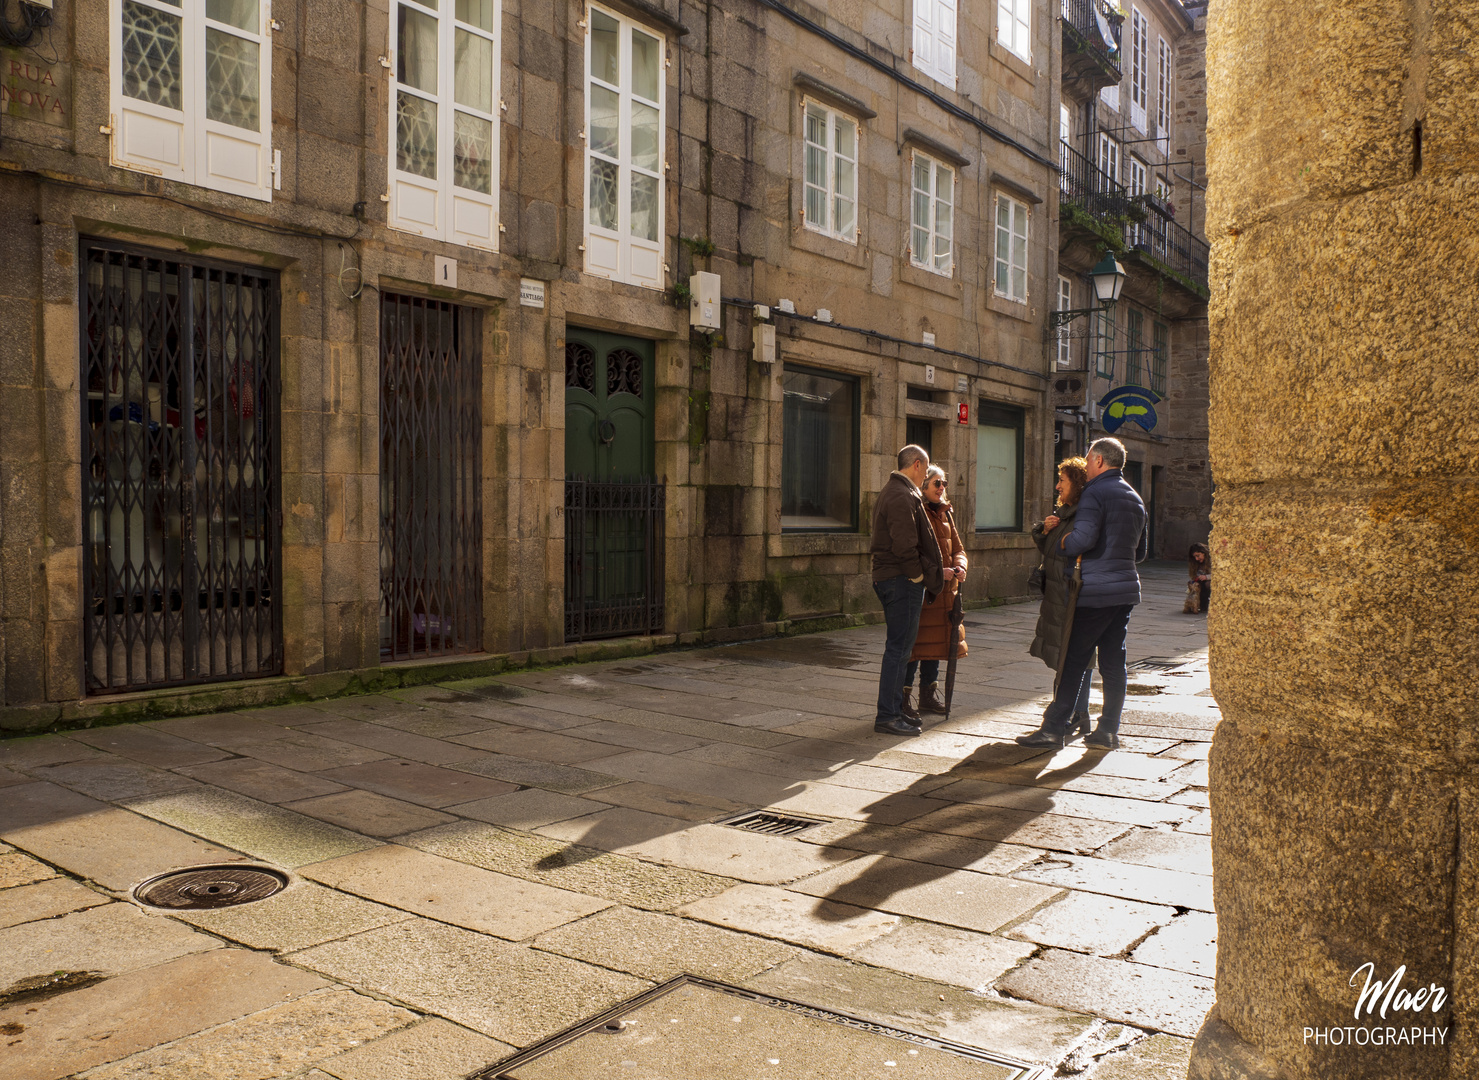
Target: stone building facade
1132, 122
351, 341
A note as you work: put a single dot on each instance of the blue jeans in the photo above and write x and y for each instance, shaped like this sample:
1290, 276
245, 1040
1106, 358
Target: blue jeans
929, 671
902, 601
1102, 628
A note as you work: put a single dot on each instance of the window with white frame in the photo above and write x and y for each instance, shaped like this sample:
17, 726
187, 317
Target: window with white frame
1011, 248
625, 141
932, 215
830, 204
1065, 134
443, 171
1139, 67
1065, 303
1110, 95
934, 39
1109, 157
190, 88
1135, 175
1014, 26
1104, 326
1163, 92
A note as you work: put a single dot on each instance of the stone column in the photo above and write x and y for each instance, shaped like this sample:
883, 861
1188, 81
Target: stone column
1344, 213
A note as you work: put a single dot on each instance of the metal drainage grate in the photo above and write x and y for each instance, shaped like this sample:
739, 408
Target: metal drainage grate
763, 821
205, 887
1155, 664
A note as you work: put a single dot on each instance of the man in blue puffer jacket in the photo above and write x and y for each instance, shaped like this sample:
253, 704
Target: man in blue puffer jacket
1109, 532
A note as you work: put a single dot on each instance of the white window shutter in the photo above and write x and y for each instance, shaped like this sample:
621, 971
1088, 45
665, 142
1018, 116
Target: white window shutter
474, 219
415, 204
945, 49
145, 136
924, 34
230, 158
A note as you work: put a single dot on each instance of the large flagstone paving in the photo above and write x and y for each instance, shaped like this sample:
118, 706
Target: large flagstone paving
477, 864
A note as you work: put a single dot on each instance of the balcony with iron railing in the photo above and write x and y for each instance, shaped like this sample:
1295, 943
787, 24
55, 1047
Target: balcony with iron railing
1166, 245
1091, 46
1143, 223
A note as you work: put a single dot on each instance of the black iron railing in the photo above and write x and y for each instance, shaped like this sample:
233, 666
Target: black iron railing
1086, 185
1087, 20
431, 518
1171, 245
181, 569
614, 557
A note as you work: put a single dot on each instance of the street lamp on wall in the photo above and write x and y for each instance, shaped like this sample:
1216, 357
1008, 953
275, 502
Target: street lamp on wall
1108, 278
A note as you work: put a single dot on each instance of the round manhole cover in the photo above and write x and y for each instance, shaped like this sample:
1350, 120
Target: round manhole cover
210, 887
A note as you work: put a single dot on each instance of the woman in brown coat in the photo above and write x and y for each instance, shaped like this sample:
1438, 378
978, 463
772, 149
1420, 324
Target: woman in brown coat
933, 642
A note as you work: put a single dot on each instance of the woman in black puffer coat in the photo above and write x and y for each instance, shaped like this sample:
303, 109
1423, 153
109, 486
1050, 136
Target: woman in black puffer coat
1055, 620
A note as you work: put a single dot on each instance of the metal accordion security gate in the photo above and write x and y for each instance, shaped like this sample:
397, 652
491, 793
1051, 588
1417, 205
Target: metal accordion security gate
181, 560
431, 518
614, 545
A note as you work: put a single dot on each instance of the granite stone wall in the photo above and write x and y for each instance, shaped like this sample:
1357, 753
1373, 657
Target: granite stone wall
1342, 173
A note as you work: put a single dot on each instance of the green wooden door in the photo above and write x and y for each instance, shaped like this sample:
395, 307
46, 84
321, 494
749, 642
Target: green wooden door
613, 503
608, 405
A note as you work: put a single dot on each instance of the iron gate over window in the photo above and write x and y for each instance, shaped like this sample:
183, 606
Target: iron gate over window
614, 537
431, 520
180, 474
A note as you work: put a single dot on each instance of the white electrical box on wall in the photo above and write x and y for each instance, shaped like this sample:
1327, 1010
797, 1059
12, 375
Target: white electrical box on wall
703, 303
764, 337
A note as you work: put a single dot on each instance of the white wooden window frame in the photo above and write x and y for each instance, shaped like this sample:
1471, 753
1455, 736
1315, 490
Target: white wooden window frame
617, 253
1065, 341
936, 39
1135, 174
1109, 157
1139, 67
1014, 27
437, 207
933, 259
1110, 95
1065, 134
185, 144
1010, 274
1163, 91
1105, 320
829, 184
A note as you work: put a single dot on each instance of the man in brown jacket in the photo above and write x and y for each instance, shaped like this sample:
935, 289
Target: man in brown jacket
906, 565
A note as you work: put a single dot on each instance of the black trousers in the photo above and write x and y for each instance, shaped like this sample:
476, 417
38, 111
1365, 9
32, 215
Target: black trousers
1102, 628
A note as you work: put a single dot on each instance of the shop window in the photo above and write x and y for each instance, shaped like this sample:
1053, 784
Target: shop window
999, 440
819, 450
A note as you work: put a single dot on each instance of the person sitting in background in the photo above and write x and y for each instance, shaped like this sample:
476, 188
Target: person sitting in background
1199, 579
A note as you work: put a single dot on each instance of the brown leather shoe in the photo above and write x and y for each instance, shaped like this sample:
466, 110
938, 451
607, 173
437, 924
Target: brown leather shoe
929, 699
907, 711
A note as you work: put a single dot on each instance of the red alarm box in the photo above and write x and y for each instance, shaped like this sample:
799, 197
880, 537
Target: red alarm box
965, 413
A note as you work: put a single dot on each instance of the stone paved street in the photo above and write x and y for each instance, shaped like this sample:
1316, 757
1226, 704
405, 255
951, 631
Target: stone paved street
475, 866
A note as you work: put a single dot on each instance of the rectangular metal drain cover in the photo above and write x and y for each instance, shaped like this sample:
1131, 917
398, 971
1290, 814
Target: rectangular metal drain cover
693, 1028
1159, 664
770, 823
